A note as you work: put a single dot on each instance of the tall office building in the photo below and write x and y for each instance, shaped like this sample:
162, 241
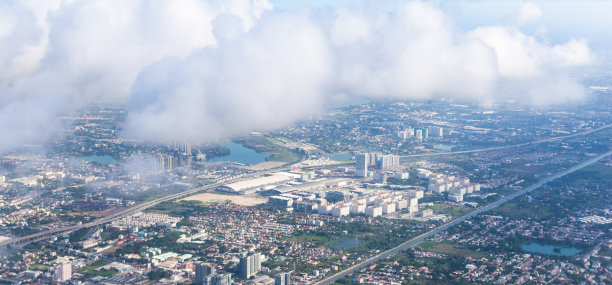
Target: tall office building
388, 161
361, 166
218, 279
283, 278
372, 157
250, 265
186, 148
380, 177
405, 134
436, 131
203, 270
418, 133
63, 272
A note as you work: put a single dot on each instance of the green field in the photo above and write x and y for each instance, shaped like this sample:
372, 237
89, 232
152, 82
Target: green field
93, 269
605, 252
450, 248
454, 211
521, 210
317, 240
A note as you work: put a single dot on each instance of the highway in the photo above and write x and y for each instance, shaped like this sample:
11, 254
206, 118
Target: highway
43, 235
509, 146
412, 242
21, 241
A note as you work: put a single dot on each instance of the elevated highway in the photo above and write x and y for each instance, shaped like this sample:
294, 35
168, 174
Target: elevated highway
509, 146
43, 235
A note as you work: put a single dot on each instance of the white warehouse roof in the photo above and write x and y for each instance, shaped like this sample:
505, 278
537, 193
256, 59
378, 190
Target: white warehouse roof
255, 183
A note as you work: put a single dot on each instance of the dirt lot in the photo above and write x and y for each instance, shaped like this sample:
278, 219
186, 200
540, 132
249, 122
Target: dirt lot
244, 200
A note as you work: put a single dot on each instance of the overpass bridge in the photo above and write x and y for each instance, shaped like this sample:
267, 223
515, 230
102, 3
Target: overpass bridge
47, 234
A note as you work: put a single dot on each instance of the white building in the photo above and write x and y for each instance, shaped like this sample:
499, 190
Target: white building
436, 188
373, 211
252, 185
401, 175
401, 205
357, 209
418, 134
423, 173
388, 208
325, 209
340, 211
455, 197
63, 272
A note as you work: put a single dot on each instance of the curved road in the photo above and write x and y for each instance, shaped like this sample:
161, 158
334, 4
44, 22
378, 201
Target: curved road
412, 242
510, 146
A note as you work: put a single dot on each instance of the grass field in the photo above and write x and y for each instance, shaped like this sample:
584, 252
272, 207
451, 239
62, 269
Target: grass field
317, 240
450, 248
454, 211
522, 210
93, 269
605, 252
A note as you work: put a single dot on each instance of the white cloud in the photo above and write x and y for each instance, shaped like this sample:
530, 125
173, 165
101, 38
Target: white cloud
529, 12
211, 69
266, 79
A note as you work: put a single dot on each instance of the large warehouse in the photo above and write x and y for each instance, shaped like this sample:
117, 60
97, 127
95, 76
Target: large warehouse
252, 185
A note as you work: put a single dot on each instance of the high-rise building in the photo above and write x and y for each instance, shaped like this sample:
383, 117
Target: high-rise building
380, 177
63, 272
418, 133
186, 147
388, 161
361, 165
436, 131
372, 157
336, 196
283, 278
405, 134
250, 265
203, 270
218, 279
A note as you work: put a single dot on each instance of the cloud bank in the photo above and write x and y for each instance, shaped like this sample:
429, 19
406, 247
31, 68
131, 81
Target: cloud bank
206, 70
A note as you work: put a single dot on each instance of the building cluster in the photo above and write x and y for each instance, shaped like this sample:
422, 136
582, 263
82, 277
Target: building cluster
377, 161
420, 133
144, 220
455, 187
343, 202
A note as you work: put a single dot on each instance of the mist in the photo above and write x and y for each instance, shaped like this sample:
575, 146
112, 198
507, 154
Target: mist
209, 70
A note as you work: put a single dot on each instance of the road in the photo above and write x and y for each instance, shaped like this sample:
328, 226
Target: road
43, 235
21, 241
412, 242
509, 146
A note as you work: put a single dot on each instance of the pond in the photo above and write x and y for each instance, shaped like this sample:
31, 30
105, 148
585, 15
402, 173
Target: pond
241, 154
346, 244
342, 157
101, 159
535, 247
